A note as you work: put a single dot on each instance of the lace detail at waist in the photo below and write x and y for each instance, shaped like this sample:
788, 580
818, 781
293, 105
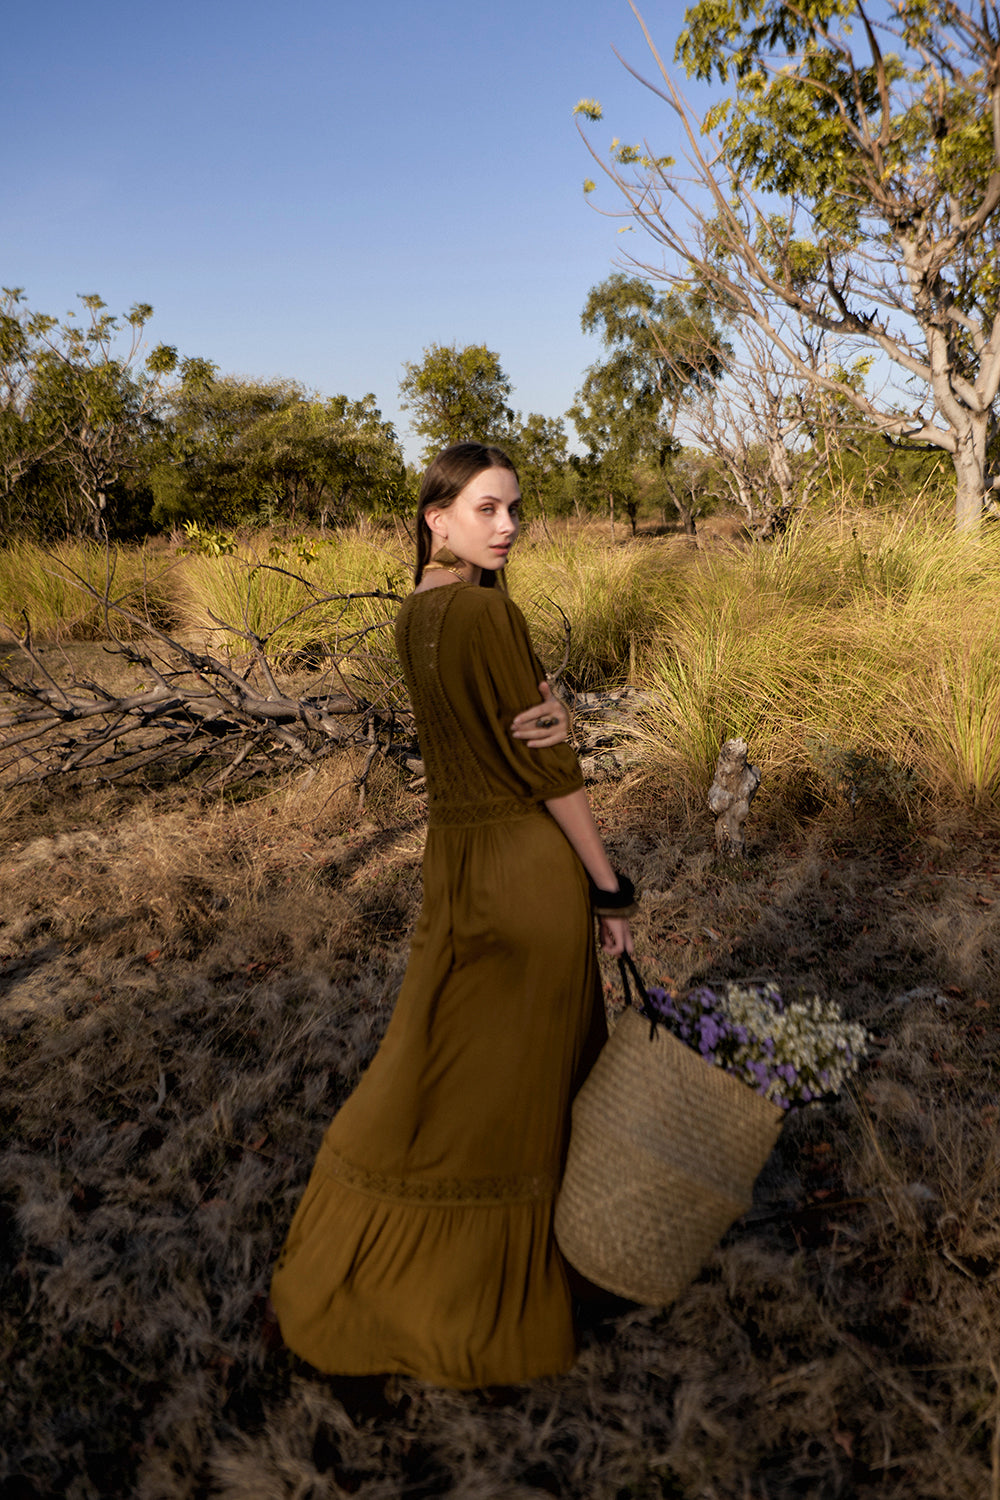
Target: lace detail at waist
439, 1190
472, 814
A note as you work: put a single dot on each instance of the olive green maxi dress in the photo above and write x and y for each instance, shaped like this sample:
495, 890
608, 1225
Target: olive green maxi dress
423, 1243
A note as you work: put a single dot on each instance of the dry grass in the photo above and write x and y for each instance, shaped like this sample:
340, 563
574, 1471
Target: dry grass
865, 663
274, 588
188, 990
604, 592
859, 657
42, 585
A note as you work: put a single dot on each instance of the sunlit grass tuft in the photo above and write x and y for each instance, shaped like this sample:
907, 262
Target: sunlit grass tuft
606, 593
41, 586
835, 646
273, 591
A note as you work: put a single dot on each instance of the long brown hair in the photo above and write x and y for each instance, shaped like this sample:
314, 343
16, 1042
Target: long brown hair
446, 477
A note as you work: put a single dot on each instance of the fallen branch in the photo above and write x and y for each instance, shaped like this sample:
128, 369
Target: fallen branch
198, 707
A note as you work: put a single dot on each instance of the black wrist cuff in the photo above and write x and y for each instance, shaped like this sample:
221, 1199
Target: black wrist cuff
619, 903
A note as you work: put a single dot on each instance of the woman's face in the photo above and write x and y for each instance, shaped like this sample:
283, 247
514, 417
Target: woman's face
480, 524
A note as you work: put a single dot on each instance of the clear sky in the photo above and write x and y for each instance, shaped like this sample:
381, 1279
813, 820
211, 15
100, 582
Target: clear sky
319, 189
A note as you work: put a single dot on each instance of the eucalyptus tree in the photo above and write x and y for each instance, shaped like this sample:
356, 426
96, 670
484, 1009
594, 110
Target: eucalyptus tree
539, 450
852, 176
659, 345
458, 394
24, 446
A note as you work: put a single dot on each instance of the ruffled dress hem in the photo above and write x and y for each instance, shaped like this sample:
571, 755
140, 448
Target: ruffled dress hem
353, 1296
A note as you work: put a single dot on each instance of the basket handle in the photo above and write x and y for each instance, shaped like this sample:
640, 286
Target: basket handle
629, 973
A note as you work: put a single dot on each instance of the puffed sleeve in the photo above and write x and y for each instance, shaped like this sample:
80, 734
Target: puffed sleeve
503, 677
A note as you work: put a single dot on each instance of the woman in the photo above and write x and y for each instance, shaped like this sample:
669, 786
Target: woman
423, 1243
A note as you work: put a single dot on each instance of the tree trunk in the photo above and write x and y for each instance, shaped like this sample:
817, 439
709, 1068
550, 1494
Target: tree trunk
971, 483
730, 795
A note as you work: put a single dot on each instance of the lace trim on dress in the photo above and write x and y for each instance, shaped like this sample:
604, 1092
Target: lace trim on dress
472, 814
438, 1190
449, 762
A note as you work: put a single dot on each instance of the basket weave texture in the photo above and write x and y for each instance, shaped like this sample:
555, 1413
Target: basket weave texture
664, 1150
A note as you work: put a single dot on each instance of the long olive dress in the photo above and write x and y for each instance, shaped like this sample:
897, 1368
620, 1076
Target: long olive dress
423, 1243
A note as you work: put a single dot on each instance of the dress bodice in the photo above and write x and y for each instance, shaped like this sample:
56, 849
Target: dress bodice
470, 667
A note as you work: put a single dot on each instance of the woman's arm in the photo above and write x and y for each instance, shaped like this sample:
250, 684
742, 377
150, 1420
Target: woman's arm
543, 724
576, 820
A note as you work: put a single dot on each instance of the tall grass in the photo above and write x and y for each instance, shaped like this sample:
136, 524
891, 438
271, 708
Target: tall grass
43, 586
877, 650
857, 655
276, 592
606, 593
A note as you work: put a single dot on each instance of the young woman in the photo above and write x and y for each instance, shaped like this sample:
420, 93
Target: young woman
423, 1243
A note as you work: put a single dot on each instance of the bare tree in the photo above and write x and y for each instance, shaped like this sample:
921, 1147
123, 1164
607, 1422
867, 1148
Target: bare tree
885, 173
767, 429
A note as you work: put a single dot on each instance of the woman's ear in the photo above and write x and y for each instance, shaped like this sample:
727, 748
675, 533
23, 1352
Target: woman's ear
436, 522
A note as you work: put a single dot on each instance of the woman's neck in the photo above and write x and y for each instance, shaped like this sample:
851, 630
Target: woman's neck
435, 570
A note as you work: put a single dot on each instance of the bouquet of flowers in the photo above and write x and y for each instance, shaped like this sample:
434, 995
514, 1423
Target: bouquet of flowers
792, 1052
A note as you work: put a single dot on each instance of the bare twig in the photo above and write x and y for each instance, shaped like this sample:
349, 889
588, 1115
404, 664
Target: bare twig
199, 706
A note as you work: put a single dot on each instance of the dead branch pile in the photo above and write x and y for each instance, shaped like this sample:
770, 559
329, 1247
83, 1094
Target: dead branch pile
231, 708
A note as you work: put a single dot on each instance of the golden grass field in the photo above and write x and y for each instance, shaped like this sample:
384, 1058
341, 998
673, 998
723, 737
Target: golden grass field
189, 984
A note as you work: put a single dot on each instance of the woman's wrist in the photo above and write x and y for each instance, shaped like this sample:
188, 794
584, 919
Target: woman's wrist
620, 902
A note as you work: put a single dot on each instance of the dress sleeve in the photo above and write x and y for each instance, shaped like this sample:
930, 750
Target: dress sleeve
505, 673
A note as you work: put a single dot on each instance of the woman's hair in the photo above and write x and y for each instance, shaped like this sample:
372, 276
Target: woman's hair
446, 477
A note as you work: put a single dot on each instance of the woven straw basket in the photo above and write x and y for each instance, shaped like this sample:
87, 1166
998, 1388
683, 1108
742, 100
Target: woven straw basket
663, 1154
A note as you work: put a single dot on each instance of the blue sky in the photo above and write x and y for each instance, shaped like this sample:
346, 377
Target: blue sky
321, 189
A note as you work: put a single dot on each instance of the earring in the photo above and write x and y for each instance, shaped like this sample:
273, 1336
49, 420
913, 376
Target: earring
445, 558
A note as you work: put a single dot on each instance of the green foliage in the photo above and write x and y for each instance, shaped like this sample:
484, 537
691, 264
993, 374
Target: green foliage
77, 408
539, 450
660, 345
458, 395
800, 129
237, 450
805, 130
866, 471
202, 542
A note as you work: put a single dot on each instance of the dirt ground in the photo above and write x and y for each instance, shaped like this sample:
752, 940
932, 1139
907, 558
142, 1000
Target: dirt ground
189, 986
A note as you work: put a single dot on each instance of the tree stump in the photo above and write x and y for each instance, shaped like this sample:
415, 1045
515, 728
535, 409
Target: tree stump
730, 796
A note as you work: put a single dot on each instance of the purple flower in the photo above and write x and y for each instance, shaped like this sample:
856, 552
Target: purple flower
711, 1032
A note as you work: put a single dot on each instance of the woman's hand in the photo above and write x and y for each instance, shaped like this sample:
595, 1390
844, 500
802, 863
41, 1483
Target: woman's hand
616, 935
543, 724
